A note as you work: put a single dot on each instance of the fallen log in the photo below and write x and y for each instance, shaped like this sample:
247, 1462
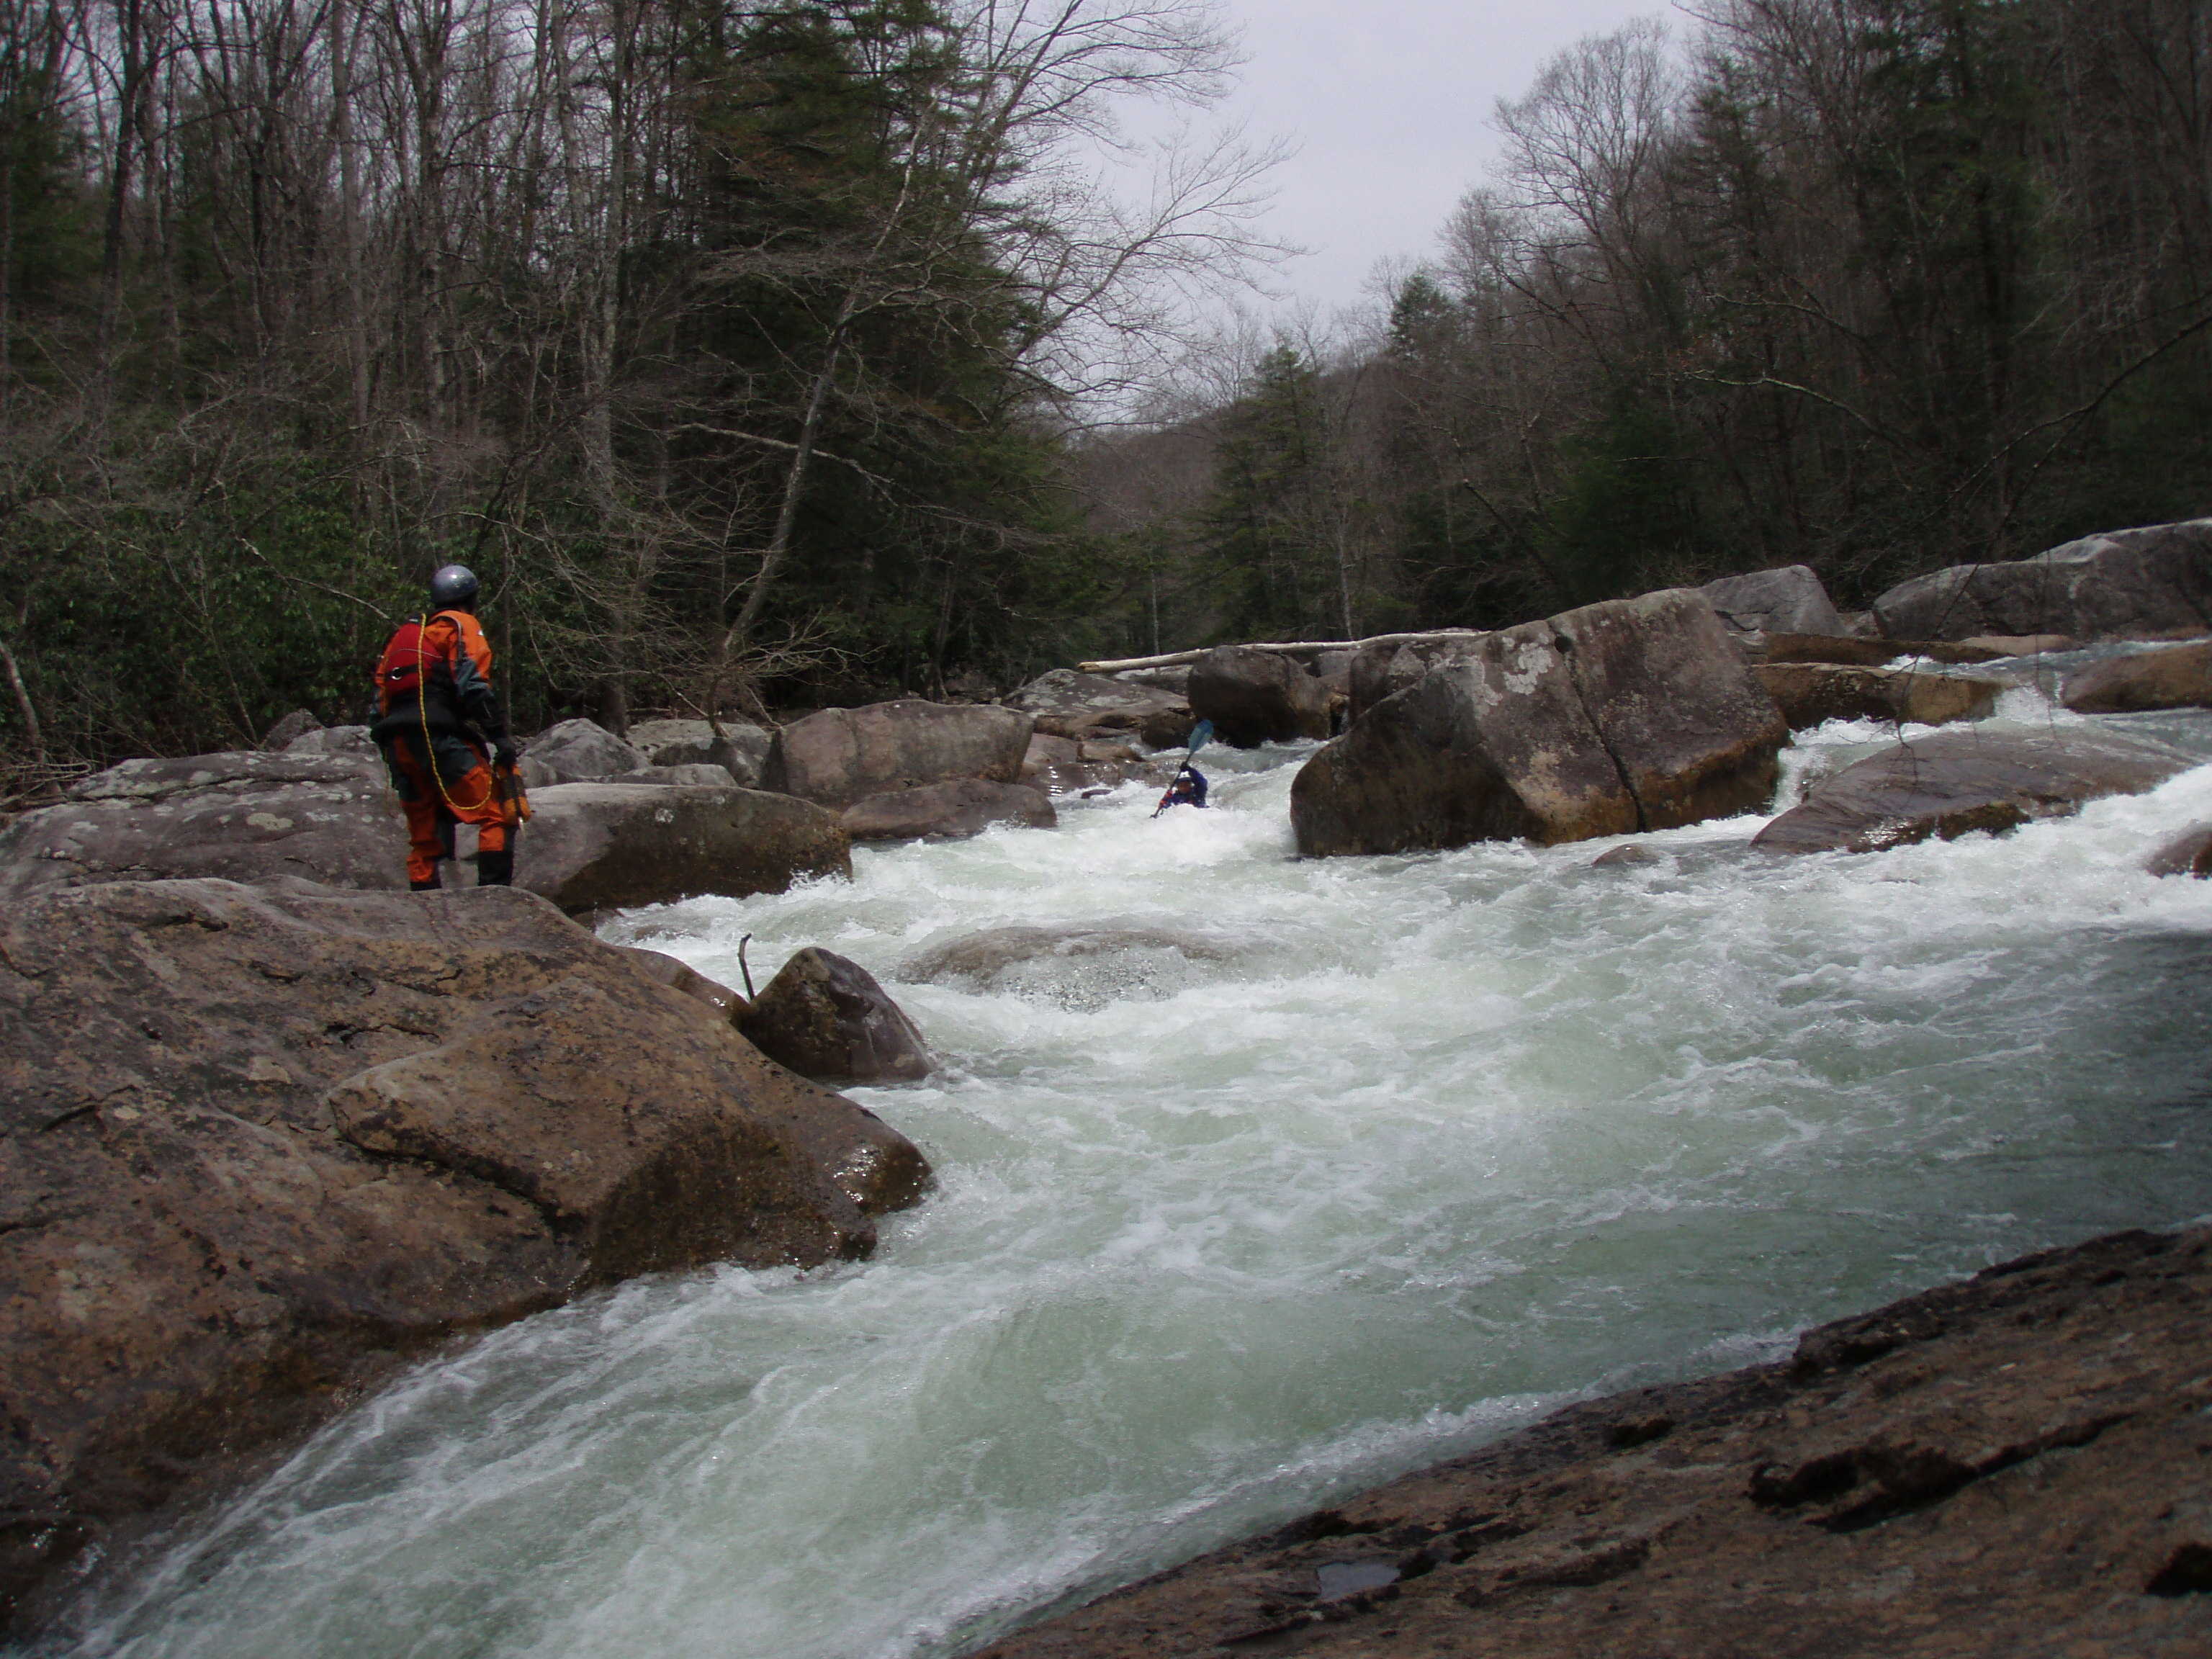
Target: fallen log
1286, 647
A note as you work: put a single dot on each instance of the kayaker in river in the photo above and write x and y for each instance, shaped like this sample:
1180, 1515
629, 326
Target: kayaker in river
1188, 788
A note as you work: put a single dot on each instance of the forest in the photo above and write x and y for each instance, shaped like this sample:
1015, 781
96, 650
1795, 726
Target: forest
769, 357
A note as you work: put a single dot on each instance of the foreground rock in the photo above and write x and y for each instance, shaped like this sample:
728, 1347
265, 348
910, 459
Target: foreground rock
245, 815
1065, 703
605, 845
1809, 693
825, 1018
258, 1145
948, 811
2127, 583
2179, 677
1257, 697
1956, 782
1629, 715
2006, 1466
741, 749
1789, 600
841, 756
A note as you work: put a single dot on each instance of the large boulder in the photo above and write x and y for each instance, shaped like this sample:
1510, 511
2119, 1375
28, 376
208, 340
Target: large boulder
592, 847
841, 756
296, 725
1809, 693
2125, 583
948, 811
258, 1145
578, 751
741, 750
1632, 714
1383, 670
2180, 677
1789, 600
825, 1018
246, 815
1257, 697
1956, 782
349, 740
1066, 704
1063, 766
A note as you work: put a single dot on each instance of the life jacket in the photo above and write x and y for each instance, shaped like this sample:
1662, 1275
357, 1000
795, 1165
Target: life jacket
439, 681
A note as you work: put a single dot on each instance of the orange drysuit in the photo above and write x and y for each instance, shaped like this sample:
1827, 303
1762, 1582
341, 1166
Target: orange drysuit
437, 722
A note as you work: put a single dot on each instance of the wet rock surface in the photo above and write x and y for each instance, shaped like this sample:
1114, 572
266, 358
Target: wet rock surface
2124, 583
1809, 693
246, 815
2189, 853
256, 1143
1634, 715
1955, 783
2009, 1466
2177, 677
948, 811
841, 756
605, 846
825, 1017
1257, 697
1873, 652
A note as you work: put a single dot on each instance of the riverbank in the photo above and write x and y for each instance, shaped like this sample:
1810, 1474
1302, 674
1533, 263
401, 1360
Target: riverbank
2012, 1466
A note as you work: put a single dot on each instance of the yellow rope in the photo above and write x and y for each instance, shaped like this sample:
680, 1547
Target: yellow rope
422, 712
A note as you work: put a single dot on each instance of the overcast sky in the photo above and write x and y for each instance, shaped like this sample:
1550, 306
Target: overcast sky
1390, 107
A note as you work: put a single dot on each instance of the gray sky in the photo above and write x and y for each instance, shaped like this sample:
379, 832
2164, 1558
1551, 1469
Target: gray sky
1390, 107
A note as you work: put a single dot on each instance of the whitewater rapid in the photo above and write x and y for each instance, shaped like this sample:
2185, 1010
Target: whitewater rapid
1396, 1153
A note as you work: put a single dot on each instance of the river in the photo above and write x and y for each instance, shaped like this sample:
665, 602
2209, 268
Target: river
1390, 1155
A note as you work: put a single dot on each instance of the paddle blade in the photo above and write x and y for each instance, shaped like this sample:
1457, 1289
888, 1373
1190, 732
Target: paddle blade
1201, 735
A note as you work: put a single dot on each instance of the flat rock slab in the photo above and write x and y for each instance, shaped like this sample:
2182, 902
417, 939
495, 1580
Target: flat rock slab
1068, 703
1956, 782
841, 756
2177, 677
1810, 693
244, 816
2010, 1466
948, 811
1860, 652
607, 845
256, 1146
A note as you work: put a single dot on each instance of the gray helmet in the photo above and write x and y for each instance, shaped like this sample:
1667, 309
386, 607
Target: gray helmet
453, 587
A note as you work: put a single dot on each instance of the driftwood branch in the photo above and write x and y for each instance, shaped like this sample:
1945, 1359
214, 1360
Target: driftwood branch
1282, 647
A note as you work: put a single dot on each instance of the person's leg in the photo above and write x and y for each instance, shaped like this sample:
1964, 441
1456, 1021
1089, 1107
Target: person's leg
428, 839
472, 794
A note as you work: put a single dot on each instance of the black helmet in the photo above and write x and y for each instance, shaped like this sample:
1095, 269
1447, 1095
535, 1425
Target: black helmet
453, 587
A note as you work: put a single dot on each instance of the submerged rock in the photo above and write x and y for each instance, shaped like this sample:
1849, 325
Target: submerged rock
2009, 1465
1077, 967
2189, 853
825, 1018
948, 811
2177, 677
245, 815
1956, 782
2113, 586
255, 1147
607, 845
1257, 697
841, 756
1633, 714
1810, 693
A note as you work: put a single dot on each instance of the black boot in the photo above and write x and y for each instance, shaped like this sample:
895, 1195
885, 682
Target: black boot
495, 869
429, 886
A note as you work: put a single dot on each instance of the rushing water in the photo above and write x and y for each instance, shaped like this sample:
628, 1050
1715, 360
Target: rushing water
1393, 1154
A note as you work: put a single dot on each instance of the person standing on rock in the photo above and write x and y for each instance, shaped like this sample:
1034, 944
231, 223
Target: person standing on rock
443, 741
